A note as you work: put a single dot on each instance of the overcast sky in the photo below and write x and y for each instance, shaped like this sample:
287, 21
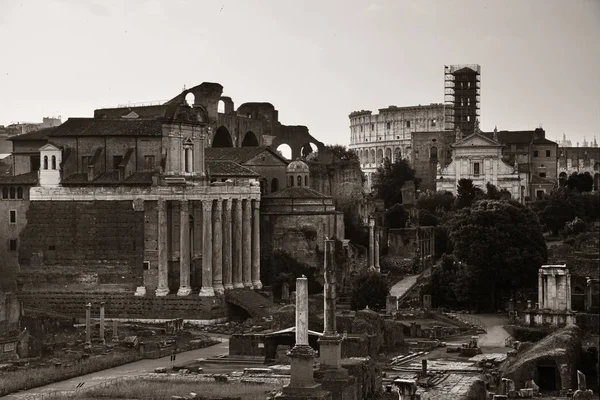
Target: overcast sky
315, 60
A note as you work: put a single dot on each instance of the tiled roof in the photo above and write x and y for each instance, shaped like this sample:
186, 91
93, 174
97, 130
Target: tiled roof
75, 179
109, 178
228, 168
538, 180
297, 192
140, 178
238, 154
143, 112
41, 134
543, 141
107, 127
520, 137
30, 178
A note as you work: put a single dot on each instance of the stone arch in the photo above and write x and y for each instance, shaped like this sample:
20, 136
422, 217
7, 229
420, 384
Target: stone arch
562, 175
372, 156
397, 154
5, 193
379, 156
221, 107
45, 162
285, 150
388, 154
433, 153
291, 181
274, 185
309, 148
20, 192
53, 162
299, 180
12, 192
190, 99
250, 140
222, 138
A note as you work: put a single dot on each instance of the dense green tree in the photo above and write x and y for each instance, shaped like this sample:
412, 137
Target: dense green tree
389, 180
582, 182
503, 246
561, 207
427, 218
369, 289
436, 202
492, 193
467, 193
396, 217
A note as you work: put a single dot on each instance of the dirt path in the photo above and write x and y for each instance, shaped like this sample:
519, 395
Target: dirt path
402, 286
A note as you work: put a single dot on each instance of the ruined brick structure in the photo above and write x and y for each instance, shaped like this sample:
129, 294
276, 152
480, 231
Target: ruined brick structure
429, 149
580, 160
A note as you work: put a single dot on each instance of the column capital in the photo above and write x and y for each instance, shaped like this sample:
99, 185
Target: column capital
207, 205
227, 204
184, 204
218, 205
256, 204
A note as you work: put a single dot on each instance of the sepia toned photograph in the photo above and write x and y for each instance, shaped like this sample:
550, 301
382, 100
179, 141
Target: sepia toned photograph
299, 200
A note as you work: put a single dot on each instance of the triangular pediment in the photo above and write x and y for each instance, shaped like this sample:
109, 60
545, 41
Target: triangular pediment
49, 147
131, 115
267, 157
478, 140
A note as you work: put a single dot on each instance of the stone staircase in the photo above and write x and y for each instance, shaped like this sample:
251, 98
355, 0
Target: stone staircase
255, 304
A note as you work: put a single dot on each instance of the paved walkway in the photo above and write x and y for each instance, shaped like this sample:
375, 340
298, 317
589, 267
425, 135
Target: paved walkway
132, 369
403, 285
496, 334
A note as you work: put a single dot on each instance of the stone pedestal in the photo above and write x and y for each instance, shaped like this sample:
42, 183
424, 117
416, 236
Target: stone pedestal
302, 383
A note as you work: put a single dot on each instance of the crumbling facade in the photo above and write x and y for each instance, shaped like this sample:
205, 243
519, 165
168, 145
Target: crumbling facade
579, 160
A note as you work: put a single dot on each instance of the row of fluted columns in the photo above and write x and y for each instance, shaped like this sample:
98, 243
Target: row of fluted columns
230, 246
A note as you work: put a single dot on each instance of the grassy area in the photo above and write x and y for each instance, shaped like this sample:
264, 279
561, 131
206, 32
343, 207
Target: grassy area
145, 389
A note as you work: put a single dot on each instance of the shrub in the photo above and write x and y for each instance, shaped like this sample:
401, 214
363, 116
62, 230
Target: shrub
369, 289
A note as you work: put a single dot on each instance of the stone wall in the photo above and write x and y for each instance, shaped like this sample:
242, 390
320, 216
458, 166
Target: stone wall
402, 242
11, 231
82, 245
425, 158
10, 310
249, 344
126, 305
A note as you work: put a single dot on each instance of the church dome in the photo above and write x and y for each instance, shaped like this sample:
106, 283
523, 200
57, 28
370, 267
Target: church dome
298, 166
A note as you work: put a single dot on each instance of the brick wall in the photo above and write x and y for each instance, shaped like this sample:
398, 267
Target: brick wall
424, 165
82, 245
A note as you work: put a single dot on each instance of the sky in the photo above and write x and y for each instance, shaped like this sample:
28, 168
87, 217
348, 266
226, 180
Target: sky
314, 60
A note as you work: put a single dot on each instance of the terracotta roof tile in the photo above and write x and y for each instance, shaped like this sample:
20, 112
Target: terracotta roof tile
106, 127
238, 154
228, 169
30, 178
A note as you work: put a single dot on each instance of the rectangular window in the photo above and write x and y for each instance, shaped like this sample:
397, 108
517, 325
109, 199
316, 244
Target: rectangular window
535, 153
117, 160
13, 216
372, 127
12, 245
547, 153
449, 153
34, 163
388, 125
416, 155
539, 194
408, 124
361, 128
542, 174
476, 169
148, 163
433, 122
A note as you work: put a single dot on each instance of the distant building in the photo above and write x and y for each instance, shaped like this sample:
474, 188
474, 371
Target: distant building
579, 160
461, 96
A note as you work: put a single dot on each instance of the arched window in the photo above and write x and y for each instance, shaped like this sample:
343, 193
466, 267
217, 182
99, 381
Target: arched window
305, 180
53, 162
291, 181
397, 154
19, 192
264, 187
45, 162
299, 179
433, 153
5, 193
274, 185
372, 156
12, 192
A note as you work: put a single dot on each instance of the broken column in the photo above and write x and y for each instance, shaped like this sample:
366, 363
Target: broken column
88, 323
331, 375
115, 330
102, 322
371, 243
302, 384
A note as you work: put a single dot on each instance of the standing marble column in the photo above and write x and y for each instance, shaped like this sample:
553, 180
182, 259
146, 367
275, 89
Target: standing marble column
163, 250
207, 274
237, 259
218, 247
246, 243
256, 283
88, 323
568, 289
227, 255
371, 243
329, 289
184, 249
102, 322
540, 290
302, 311
376, 252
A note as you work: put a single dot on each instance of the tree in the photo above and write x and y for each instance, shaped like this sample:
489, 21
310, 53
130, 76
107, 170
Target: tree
562, 206
503, 245
369, 289
467, 193
436, 202
389, 180
494, 194
583, 182
396, 217
343, 153
427, 218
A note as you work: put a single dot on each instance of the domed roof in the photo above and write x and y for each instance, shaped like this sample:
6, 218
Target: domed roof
298, 166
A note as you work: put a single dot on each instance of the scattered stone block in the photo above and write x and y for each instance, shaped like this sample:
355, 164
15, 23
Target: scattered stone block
160, 370
526, 393
183, 371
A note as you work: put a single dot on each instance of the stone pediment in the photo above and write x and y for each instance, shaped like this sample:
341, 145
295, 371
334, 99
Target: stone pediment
477, 140
131, 115
266, 158
49, 147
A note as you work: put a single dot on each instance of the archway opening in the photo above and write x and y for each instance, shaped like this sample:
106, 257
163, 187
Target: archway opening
309, 148
433, 153
222, 138
379, 156
285, 151
190, 99
397, 154
548, 377
250, 140
274, 185
221, 107
388, 154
